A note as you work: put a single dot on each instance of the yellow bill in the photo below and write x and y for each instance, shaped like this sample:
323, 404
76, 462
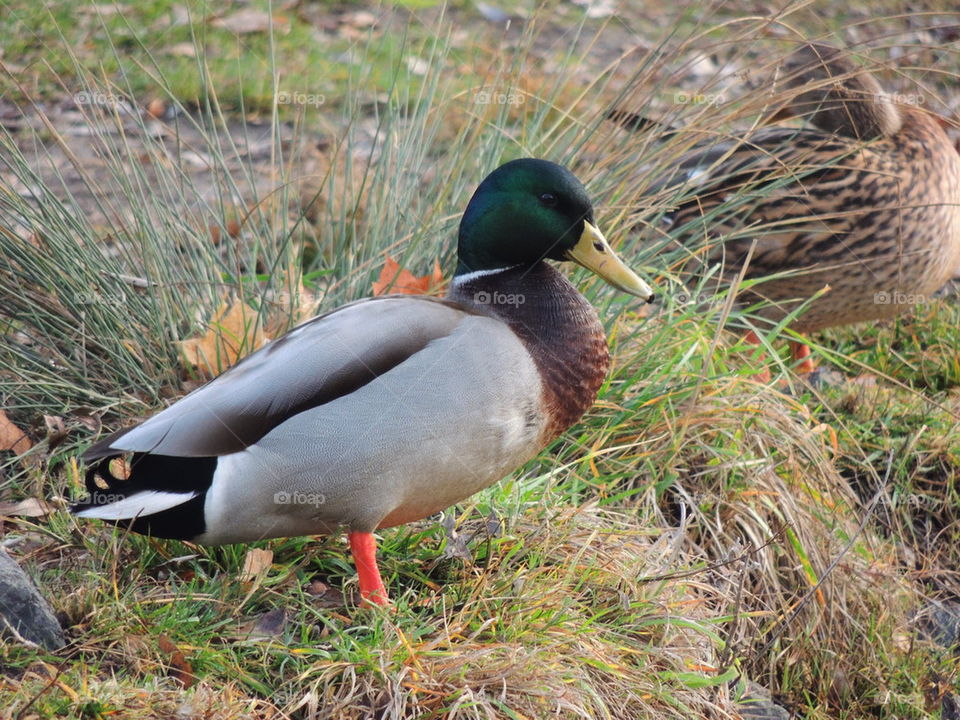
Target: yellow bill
593, 252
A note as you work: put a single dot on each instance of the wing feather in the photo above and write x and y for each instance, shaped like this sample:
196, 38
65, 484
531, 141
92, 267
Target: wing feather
323, 359
767, 187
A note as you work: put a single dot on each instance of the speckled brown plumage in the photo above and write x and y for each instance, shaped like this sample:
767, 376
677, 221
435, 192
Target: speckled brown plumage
559, 328
866, 201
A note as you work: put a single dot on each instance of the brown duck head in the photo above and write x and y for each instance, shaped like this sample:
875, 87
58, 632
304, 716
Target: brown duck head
837, 95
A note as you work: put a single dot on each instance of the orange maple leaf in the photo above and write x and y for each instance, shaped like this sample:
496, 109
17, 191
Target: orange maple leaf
12, 437
393, 279
232, 333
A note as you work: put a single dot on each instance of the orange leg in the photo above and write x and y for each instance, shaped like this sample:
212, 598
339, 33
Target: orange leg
751, 339
363, 547
801, 357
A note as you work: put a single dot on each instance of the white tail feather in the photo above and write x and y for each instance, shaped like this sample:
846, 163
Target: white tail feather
148, 502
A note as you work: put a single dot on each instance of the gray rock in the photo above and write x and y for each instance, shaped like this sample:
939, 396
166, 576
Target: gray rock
939, 622
25, 616
757, 704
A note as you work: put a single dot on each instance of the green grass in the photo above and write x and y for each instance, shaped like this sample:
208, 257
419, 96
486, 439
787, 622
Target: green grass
194, 52
696, 529
56, 43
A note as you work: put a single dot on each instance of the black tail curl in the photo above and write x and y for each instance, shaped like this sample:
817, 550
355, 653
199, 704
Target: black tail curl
163, 473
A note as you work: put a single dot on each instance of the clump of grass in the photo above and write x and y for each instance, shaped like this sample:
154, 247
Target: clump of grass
916, 348
748, 482
918, 500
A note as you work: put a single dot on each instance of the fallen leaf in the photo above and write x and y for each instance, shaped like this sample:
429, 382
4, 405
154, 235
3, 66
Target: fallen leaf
232, 226
290, 308
233, 333
184, 49
179, 668
29, 507
270, 624
187, 386
197, 160
133, 347
418, 66
324, 596
902, 641
249, 20
86, 418
180, 16
12, 437
456, 546
120, 468
597, 8
393, 279
255, 563
57, 431
103, 10
156, 108
359, 19
316, 588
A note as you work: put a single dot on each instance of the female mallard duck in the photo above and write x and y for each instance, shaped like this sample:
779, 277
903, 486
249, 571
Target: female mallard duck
866, 202
390, 409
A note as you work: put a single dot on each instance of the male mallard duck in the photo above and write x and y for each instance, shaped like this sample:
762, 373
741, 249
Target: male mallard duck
866, 201
389, 409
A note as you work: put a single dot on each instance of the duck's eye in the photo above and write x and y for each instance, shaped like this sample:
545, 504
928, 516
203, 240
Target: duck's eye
548, 199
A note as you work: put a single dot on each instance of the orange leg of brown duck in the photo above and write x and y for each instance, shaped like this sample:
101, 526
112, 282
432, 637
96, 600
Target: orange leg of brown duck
363, 547
803, 363
752, 339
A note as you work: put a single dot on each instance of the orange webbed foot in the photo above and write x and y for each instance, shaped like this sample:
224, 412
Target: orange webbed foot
803, 363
